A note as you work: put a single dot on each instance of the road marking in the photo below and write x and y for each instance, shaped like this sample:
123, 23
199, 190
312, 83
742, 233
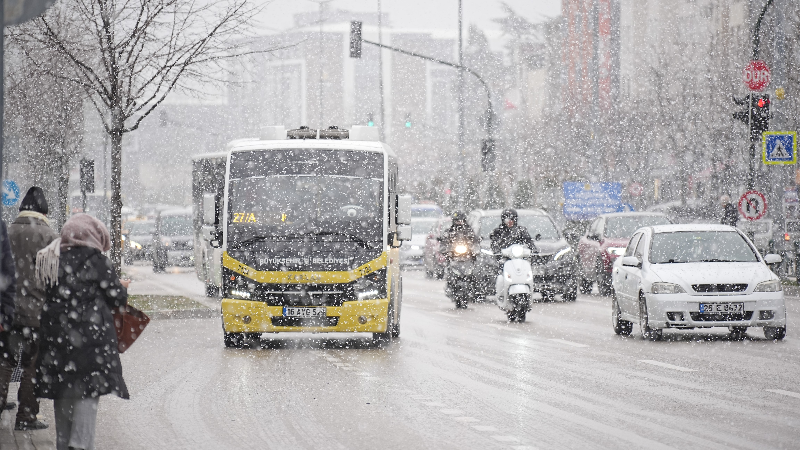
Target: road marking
782, 392
454, 316
435, 404
451, 411
506, 438
484, 428
571, 344
503, 327
466, 419
668, 366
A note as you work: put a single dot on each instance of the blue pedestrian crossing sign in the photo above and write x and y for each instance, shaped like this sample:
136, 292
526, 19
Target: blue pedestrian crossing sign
780, 147
10, 193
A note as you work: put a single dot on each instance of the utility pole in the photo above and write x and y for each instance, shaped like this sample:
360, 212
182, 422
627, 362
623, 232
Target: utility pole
320, 57
380, 69
460, 141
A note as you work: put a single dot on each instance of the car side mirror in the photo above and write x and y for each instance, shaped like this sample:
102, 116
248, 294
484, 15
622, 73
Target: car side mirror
594, 237
772, 258
209, 209
404, 232
631, 261
404, 211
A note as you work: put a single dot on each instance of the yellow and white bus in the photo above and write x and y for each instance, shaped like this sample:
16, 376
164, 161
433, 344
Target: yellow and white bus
302, 233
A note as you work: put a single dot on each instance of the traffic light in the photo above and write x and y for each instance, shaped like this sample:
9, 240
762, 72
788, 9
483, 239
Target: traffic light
408, 120
355, 39
759, 122
370, 121
743, 115
487, 155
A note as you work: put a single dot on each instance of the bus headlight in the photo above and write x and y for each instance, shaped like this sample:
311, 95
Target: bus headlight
238, 293
371, 286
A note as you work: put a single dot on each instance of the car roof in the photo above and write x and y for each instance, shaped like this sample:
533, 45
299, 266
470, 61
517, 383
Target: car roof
691, 227
633, 214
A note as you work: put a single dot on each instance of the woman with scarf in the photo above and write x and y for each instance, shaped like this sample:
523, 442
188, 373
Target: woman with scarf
78, 358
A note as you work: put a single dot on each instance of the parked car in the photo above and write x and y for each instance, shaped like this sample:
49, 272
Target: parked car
435, 259
173, 244
138, 240
696, 276
412, 252
604, 241
553, 261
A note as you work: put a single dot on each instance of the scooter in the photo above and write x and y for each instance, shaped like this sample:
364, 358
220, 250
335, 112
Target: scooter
515, 286
460, 280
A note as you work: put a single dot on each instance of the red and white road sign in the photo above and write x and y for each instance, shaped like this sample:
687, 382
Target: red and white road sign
756, 75
752, 205
635, 189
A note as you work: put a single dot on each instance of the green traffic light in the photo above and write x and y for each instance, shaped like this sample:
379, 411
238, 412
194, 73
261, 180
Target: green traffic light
370, 123
408, 124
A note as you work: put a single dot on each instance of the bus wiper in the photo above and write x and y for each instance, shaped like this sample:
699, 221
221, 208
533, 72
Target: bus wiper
716, 260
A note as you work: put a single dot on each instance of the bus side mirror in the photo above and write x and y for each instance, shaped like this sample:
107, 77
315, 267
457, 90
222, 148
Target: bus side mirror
404, 232
404, 211
209, 209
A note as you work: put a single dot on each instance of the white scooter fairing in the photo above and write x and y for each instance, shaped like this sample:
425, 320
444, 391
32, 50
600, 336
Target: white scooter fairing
515, 286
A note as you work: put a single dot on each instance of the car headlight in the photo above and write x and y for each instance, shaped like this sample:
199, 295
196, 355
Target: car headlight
460, 249
616, 251
167, 242
135, 245
666, 288
240, 294
769, 286
561, 253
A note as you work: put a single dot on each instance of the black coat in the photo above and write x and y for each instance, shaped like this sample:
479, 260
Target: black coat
8, 283
459, 232
730, 215
503, 237
78, 356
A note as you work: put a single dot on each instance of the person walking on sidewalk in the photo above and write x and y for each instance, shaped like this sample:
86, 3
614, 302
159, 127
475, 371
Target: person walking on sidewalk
78, 358
8, 288
29, 233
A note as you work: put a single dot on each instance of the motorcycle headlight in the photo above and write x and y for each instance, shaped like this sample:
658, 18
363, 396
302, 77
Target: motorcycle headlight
616, 251
769, 286
561, 253
517, 251
460, 249
666, 288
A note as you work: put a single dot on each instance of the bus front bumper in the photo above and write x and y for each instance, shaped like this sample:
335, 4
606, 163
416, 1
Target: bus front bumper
246, 316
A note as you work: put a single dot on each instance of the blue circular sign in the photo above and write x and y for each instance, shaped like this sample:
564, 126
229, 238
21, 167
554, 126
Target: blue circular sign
10, 193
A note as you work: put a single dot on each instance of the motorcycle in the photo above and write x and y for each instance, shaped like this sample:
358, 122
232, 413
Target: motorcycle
514, 286
460, 279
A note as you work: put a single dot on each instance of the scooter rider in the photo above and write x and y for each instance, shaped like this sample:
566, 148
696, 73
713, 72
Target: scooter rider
509, 233
459, 230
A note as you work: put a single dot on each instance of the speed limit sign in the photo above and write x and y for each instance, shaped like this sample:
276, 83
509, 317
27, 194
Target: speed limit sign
752, 205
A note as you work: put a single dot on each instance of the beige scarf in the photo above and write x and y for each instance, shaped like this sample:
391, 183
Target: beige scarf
35, 214
47, 264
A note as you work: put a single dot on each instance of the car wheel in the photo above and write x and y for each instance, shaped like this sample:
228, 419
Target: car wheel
571, 291
234, 340
775, 333
548, 296
586, 286
652, 334
512, 316
621, 327
737, 333
461, 303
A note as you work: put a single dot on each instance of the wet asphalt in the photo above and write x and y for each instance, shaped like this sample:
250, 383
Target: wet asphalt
455, 379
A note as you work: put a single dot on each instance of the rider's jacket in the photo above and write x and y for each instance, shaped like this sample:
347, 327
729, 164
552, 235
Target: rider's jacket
458, 232
504, 237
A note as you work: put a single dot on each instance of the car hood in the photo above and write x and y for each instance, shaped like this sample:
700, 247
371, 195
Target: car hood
418, 239
688, 274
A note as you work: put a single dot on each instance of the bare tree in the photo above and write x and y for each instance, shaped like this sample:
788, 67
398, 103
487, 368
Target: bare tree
129, 55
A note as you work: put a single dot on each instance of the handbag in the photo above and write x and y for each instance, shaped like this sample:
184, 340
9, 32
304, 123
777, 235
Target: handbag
129, 322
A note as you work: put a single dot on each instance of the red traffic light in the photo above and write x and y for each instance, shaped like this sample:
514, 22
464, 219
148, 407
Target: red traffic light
762, 103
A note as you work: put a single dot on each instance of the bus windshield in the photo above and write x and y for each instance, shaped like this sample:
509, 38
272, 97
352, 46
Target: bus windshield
294, 193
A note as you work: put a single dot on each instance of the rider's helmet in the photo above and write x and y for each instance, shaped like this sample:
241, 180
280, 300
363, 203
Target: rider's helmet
459, 218
509, 217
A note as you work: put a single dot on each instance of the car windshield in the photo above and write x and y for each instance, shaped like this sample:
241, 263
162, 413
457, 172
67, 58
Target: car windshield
176, 226
624, 226
426, 212
140, 228
309, 192
700, 246
536, 225
421, 226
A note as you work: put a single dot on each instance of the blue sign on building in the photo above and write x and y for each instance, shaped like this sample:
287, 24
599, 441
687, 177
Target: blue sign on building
10, 193
584, 201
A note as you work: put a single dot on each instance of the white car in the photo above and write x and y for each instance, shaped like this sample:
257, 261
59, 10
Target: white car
696, 276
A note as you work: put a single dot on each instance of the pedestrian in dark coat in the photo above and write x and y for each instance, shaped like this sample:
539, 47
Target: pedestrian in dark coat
78, 360
730, 216
8, 287
29, 233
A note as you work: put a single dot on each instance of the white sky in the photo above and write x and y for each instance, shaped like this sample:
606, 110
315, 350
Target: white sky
417, 14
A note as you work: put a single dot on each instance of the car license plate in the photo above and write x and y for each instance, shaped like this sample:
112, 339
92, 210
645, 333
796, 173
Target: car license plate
291, 311
721, 308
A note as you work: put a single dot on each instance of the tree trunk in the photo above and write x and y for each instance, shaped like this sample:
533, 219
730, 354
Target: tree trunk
116, 198
63, 190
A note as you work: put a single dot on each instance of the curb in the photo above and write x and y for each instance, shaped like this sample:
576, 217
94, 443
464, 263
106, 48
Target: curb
183, 314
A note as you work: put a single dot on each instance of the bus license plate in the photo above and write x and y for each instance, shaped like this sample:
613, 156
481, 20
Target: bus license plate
721, 308
291, 311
